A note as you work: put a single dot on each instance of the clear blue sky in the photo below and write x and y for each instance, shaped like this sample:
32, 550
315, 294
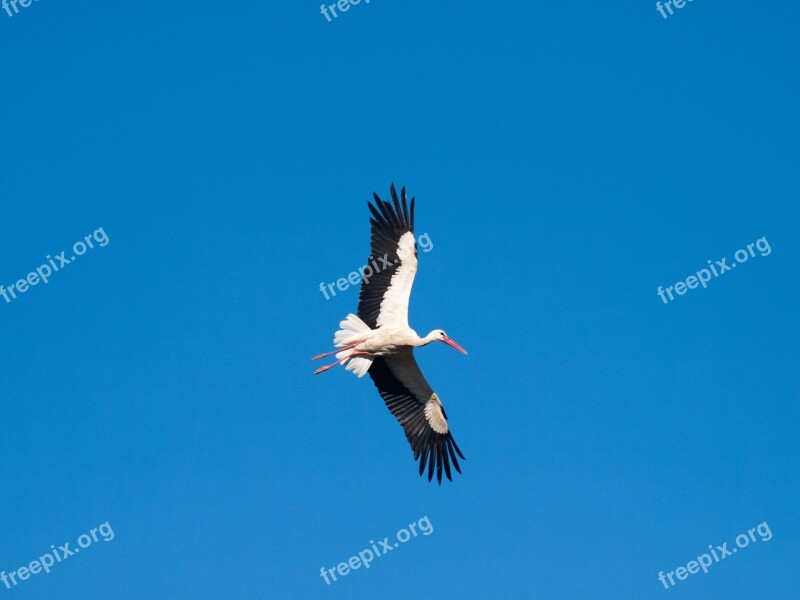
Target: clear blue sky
567, 157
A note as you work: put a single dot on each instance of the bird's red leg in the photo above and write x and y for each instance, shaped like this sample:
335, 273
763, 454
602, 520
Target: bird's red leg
326, 367
351, 346
330, 366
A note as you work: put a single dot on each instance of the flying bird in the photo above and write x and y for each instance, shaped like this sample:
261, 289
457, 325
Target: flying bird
379, 341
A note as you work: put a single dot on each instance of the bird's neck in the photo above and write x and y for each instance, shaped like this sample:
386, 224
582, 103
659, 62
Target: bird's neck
431, 337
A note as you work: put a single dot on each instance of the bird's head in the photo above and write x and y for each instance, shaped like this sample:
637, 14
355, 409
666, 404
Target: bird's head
440, 336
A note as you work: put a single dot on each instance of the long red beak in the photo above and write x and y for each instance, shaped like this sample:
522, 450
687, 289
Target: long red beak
452, 343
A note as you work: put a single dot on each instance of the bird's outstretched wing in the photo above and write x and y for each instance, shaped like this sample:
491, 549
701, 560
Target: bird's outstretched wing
418, 409
385, 291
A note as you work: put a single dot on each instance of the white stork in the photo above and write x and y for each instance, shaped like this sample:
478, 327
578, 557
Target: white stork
379, 341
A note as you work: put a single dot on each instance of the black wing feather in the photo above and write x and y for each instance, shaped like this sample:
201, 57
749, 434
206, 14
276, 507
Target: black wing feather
389, 223
433, 450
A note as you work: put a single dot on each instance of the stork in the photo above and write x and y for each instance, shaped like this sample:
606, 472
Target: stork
379, 341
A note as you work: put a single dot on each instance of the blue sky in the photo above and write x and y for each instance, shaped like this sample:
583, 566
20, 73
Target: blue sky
567, 159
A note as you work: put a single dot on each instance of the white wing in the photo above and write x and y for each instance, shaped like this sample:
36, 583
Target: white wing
392, 265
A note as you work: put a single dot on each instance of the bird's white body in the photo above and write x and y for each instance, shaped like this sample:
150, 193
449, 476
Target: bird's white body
359, 340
